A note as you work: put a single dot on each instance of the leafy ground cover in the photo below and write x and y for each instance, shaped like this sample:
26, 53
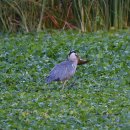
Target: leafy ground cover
97, 97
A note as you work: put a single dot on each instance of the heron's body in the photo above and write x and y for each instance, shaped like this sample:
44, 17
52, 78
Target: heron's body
66, 69
63, 71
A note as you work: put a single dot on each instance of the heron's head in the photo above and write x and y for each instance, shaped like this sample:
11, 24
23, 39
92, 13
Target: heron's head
73, 56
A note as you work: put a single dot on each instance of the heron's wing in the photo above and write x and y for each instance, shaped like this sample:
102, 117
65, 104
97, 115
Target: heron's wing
60, 72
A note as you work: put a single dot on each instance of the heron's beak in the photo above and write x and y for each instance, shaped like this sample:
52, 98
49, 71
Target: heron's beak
81, 61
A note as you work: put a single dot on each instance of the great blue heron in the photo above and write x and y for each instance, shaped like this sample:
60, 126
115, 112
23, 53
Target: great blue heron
66, 69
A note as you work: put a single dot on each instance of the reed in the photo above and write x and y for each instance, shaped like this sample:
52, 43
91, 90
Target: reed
85, 15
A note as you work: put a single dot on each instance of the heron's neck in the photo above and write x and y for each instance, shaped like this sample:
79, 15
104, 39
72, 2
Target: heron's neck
75, 63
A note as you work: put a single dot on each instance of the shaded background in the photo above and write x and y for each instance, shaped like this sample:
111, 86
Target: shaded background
84, 15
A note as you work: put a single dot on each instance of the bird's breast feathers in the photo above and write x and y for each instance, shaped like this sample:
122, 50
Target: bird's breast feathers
74, 66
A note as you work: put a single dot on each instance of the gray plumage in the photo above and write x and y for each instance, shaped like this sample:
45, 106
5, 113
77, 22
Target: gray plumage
65, 70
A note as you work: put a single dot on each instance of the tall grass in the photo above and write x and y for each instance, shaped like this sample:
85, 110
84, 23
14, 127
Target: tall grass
86, 15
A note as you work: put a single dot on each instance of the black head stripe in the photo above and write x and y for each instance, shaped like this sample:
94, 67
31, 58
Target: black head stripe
72, 51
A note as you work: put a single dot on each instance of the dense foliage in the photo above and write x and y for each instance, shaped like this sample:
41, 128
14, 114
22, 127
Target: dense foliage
97, 97
85, 15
